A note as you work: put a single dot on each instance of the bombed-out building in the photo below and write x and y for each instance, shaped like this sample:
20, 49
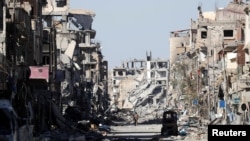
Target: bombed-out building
214, 79
53, 72
140, 85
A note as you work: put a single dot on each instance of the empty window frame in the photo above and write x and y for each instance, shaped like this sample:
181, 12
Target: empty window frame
228, 33
120, 73
203, 34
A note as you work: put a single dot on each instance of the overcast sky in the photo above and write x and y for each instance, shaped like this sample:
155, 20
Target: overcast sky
127, 29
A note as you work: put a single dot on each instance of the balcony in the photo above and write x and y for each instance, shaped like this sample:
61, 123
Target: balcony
231, 46
91, 44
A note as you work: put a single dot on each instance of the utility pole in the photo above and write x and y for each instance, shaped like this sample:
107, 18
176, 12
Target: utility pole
198, 96
225, 83
213, 77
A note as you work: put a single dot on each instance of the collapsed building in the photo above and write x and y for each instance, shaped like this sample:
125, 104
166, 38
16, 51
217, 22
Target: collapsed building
140, 85
54, 76
209, 65
53, 73
207, 75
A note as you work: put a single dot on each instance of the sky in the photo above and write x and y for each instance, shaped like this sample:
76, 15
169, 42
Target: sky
129, 29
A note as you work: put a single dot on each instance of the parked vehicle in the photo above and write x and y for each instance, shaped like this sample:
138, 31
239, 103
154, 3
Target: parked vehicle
169, 123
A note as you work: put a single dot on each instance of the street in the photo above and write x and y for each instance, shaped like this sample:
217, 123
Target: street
144, 132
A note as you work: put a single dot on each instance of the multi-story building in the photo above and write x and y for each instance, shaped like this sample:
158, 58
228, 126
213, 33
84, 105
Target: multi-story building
50, 65
138, 84
216, 48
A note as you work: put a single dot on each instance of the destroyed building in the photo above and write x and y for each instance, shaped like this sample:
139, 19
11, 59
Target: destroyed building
207, 72
140, 85
53, 72
54, 78
209, 65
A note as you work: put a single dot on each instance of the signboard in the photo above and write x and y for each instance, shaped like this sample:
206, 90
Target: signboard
39, 72
222, 103
195, 102
236, 99
243, 107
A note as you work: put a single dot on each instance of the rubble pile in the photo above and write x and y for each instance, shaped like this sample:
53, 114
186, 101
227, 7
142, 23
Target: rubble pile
53, 74
134, 90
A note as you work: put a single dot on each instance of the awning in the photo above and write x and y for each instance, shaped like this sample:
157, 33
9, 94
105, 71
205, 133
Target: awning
230, 46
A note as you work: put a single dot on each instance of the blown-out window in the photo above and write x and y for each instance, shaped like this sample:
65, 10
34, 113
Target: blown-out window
120, 73
203, 34
61, 3
46, 60
228, 33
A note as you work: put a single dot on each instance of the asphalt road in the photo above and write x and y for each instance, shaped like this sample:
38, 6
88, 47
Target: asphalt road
150, 132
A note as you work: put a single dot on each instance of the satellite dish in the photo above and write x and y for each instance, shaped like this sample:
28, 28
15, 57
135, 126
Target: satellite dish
243, 107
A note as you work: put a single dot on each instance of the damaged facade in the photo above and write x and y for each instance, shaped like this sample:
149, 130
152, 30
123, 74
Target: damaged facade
209, 65
207, 73
140, 85
54, 78
53, 73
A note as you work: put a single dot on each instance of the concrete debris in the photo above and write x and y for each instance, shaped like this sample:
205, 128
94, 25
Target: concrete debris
149, 95
55, 83
53, 76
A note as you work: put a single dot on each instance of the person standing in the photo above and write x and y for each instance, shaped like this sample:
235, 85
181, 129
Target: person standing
136, 117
